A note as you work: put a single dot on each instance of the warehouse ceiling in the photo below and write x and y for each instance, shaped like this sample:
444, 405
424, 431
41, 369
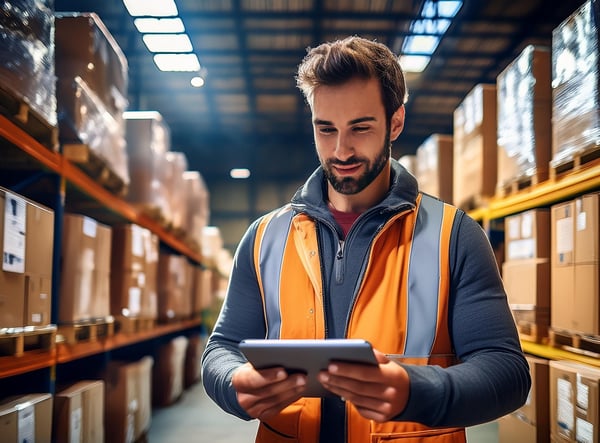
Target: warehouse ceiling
249, 112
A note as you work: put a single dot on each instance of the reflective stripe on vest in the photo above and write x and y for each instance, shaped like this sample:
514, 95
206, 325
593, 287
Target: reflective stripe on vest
423, 277
271, 252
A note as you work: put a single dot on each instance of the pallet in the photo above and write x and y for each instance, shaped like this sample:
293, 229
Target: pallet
518, 184
576, 342
19, 111
94, 166
579, 160
87, 330
532, 332
131, 325
15, 341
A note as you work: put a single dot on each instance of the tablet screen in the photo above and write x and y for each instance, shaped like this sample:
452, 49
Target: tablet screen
308, 356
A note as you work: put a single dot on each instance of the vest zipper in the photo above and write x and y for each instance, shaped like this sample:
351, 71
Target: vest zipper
339, 262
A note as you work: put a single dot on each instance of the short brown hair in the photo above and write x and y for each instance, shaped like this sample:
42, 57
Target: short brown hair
336, 62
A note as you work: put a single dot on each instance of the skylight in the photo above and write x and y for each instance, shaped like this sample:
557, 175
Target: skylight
426, 33
163, 33
154, 8
177, 62
151, 25
167, 42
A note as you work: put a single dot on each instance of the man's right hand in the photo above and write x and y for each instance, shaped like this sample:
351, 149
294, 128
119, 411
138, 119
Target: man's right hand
264, 393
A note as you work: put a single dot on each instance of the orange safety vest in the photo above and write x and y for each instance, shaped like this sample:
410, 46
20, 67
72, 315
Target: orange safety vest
398, 290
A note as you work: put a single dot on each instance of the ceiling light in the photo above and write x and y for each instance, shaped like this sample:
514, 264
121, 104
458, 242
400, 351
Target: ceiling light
154, 8
177, 62
441, 8
239, 173
421, 44
168, 42
197, 82
159, 25
414, 63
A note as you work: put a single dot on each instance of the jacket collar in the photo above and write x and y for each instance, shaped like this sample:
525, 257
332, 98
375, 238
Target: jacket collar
310, 197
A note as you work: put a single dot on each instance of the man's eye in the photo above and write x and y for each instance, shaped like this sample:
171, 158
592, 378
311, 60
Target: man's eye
360, 128
327, 130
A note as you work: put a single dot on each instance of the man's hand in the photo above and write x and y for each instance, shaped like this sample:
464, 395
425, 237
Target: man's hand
379, 393
263, 393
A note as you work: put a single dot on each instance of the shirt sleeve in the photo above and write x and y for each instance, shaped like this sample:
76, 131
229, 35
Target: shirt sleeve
492, 378
241, 317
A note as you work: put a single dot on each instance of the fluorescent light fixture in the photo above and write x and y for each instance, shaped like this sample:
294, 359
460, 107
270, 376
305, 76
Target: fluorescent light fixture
159, 25
151, 8
167, 42
197, 82
240, 173
177, 62
441, 8
414, 63
420, 44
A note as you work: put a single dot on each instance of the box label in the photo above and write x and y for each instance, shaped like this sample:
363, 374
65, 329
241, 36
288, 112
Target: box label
13, 256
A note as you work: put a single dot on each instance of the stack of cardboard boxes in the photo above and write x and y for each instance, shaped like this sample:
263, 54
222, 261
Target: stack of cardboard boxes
27, 244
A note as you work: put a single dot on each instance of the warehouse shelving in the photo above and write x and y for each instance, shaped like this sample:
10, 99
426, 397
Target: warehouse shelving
584, 179
73, 183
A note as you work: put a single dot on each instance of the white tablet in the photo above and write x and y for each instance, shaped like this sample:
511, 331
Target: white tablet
307, 356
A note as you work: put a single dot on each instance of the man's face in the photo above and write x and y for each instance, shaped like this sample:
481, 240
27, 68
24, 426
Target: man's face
351, 134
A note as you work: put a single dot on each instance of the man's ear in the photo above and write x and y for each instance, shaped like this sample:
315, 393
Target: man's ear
397, 123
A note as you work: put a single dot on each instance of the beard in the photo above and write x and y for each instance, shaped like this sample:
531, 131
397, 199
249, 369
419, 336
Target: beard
352, 185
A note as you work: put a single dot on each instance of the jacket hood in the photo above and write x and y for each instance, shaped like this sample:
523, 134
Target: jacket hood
310, 196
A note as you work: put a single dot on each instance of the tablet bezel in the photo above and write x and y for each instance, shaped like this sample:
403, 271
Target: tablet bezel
306, 355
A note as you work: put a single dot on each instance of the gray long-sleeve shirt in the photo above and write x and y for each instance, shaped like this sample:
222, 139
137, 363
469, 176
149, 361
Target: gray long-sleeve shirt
493, 376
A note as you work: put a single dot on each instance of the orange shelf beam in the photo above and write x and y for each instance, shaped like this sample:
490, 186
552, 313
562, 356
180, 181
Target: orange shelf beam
74, 175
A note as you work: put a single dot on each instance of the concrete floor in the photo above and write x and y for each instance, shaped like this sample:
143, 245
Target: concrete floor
196, 419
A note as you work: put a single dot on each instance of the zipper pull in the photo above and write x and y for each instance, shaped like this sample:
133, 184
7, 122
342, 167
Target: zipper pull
340, 252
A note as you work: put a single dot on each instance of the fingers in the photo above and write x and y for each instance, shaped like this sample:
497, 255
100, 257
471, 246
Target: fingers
264, 393
378, 392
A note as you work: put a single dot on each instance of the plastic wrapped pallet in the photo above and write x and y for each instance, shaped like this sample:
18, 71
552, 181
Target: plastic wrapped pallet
475, 148
148, 141
524, 118
434, 166
576, 84
198, 209
92, 84
27, 56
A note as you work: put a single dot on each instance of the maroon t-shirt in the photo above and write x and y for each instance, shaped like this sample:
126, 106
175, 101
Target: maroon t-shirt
344, 219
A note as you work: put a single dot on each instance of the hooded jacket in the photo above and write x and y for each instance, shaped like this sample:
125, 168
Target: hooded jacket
349, 284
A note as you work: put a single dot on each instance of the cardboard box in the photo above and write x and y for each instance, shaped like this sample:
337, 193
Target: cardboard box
13, 228
434, 166
527, 235
92, 399
76, 296
193, 355
38, 301
120, 401
129, 247
12, 299
68, 415
475, 147
39, 240
587, 229
143, 415
562, 247
574, 405
26, 418
168, 372
586, 299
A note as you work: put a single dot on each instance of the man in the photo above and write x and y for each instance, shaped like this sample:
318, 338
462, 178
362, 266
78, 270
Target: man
360, 253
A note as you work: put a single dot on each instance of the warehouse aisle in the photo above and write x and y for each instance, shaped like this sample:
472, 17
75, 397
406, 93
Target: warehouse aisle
196, 419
